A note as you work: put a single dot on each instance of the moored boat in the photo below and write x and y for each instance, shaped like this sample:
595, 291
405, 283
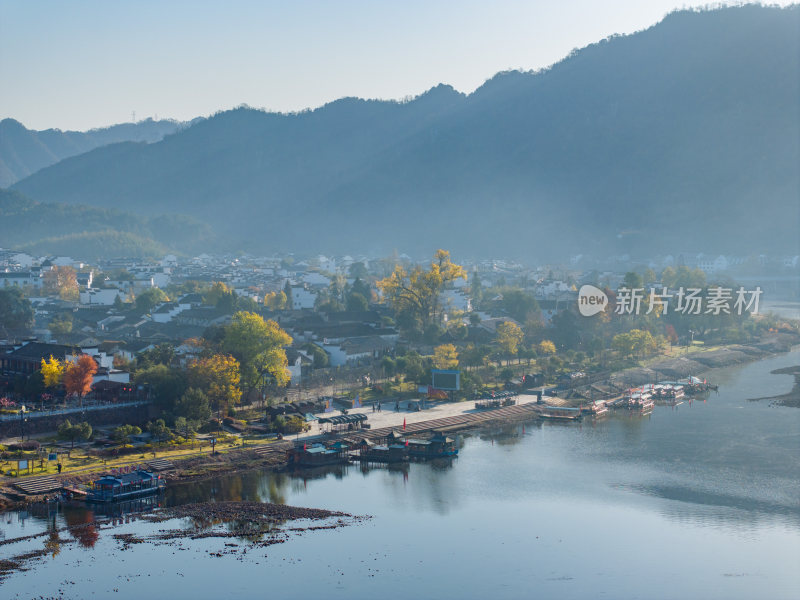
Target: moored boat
112, 488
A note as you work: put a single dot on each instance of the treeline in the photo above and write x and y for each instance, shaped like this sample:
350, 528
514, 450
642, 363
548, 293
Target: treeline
91, 232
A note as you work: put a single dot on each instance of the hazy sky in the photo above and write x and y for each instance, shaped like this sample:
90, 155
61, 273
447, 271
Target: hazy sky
81, 64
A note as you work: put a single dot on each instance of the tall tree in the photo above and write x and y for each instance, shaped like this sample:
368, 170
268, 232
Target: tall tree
509, 336
258, 345
417, 291
445, 357
78, 376
52, 372
16, 311
62, 281
219, 377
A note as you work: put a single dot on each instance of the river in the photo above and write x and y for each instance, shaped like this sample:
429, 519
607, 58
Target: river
698, 501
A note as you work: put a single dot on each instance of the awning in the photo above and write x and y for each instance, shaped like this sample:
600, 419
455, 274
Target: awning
344, 419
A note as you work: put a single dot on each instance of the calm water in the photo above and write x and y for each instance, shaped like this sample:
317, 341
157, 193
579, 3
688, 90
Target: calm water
702, 501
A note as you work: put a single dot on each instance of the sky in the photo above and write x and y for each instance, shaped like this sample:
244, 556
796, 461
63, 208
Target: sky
83, 64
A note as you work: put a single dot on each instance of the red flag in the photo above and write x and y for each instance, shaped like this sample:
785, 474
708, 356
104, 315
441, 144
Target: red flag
406, 442
304, 445
404, 424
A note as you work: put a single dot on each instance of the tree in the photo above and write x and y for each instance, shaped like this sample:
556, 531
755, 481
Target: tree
413, 367
78, 376
163, 354
70, 433
150, 298
356, 302
52, 371
445, 357
258, 346
159, 430
509, 336
520, 305
318, 355
357, 271
275, 300
62, 281
546, 347
633, 280
359, 287
636, 342
123, 433
16, 311
60, 324
193, 406
218, 376
476, 289
417, 292
165, 385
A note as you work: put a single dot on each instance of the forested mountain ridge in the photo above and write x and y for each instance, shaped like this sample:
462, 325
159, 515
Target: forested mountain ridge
683, 136
24, 151
90, 232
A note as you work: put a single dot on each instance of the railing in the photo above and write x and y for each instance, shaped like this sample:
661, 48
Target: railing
40, 414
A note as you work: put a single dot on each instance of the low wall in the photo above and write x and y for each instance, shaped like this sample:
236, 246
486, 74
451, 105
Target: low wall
135, 415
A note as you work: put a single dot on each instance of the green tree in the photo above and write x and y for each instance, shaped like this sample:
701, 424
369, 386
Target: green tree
123, 433
357, 302
193, 406
357, 271
16, 311
150, 298
159, 430
165, 385
71, 433
633, 280
520, 305
61, 323
318, 355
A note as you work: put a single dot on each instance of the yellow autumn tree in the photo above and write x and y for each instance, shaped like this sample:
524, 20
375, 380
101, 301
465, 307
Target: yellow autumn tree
445, 357
219, 377
52, 372
509, 336
417, 291
547, 347
62, 281
258, 345
275, 300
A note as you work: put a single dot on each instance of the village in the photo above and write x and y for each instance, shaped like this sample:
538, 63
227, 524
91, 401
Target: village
326, 360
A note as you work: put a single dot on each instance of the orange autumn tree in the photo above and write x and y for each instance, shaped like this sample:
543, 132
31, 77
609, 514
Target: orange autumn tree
78, 376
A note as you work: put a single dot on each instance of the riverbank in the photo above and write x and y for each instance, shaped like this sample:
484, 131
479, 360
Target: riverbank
792, 398
442, 416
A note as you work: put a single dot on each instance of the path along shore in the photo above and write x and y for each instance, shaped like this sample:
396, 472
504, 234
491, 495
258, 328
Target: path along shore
439, 416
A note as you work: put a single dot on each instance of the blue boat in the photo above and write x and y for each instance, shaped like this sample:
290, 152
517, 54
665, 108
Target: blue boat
112, 488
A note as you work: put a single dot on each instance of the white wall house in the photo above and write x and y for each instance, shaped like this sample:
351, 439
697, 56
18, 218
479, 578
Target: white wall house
103, 297
302, 298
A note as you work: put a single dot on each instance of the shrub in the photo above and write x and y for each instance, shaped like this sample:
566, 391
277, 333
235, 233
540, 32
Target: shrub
29, 445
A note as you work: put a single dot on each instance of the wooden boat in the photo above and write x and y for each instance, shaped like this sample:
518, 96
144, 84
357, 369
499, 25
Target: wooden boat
316, 455
561, 413
113, 488
439, 446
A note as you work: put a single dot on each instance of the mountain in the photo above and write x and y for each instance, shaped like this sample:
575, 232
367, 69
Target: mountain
89, 232
24, 151
682, 136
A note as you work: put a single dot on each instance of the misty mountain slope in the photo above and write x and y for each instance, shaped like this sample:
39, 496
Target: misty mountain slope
685, 135
90, 232
24, 151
